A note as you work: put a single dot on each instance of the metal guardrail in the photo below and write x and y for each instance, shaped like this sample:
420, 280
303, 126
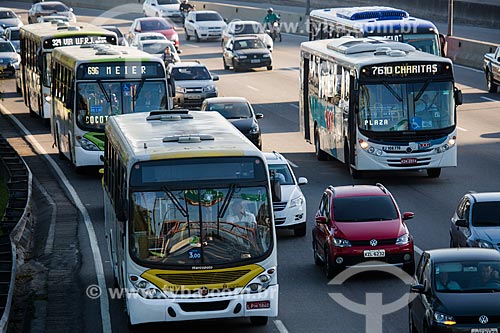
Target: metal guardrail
13, 239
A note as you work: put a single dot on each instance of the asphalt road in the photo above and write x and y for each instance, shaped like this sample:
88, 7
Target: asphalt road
305, 304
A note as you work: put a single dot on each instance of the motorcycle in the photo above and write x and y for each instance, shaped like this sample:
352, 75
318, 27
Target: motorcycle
185, 12
274, 30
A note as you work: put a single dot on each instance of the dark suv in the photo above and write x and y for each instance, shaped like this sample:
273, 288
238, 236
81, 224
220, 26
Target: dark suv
244, 52
361, 223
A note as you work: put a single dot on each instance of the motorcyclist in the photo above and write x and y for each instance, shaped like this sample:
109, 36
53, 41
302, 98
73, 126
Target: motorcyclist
185, 6
270, 18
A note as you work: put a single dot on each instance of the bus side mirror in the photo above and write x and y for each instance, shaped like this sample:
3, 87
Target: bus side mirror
121, 213
276, 190
458, 96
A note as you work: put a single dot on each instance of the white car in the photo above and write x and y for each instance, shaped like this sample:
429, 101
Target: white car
138, 38
239, 27
204, 24
168, 9
51, 18
290, 212
158, 47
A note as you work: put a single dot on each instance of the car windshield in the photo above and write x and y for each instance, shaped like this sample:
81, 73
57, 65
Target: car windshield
249, 44
282, 173
6, 47
56, 7
200, 226
467, 277
364, 209
156, 48
247, 29
190, 73
153, 25
168, 2
236, 110
7, 14
486, 214
53, 18
14, 35
208, 17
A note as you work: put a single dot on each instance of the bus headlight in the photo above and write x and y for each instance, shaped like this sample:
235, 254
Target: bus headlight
451, 142
87, 144
145, 288
260, 283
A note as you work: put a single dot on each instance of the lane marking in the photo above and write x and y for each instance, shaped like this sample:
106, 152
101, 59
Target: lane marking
294, 105
469, 68
103, 299
489, 99
192, 45
252, 88
280, 326
462, 129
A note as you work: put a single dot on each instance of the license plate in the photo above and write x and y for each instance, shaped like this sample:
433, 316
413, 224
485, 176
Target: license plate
258, 305
374, 253
255, 61
484, 330
408, 161
193, 96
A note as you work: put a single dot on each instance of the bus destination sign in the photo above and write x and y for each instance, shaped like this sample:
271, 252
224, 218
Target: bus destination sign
54, 42
405, 70
124, 70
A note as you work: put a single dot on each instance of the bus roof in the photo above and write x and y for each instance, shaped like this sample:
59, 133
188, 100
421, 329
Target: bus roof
189, 135
373, 19
356, 52
61, 29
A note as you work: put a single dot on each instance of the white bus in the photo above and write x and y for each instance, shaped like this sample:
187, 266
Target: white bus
189, 219
376, 104
37, 41
372, 21
93, 82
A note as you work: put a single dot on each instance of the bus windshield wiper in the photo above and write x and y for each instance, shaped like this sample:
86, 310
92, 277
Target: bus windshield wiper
176, 202
227, 199
394, 92
421, 91
108, 98
138, 90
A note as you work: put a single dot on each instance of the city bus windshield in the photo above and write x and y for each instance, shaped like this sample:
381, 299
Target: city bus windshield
209, 226
96, 101
423, 42
392, 107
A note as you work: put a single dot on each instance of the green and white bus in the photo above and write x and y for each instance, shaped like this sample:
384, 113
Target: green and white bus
93, 82
37, 41
174, 184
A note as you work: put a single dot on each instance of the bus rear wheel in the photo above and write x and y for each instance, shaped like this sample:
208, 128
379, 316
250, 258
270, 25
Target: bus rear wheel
320, 154
434, 172
258, 320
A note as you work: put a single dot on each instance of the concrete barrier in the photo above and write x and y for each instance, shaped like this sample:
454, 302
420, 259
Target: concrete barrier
468, 52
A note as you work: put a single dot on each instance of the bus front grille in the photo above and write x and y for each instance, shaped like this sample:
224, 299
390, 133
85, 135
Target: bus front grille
204, 306
203, 278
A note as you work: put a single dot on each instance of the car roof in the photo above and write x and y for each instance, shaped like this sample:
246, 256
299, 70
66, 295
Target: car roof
243, 22
243, 37
359, 190
53, 3
226, 100
150, 19
188, 64
486, 196
275, 158
206, 12
463, 254
156, 41
6, 9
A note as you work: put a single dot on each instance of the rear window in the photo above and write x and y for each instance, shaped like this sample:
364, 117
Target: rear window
364, 209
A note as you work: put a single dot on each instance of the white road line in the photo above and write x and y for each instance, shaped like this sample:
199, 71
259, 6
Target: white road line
462, 129
191, 45
103, 299
489, 99
49, 244
469, 68
418, 250
252, 88
280, 326
294, 105
292, 164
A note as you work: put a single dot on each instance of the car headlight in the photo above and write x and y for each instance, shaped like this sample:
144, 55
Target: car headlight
260, 283
254, 129
241, 56
145, 288
444, 319
266, 55
403, 239
181, 90
210, 88
297, 201
87, 144
340, 242
483, 243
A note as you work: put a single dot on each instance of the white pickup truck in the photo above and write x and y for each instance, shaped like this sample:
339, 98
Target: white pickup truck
492, 69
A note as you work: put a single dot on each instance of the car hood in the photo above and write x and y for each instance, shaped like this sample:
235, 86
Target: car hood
491, 234
11, 22
368, 230
244, 124
193, 83
8, 55
290, 192
468, 304
211, 24
169, 33
251, 51
170, 7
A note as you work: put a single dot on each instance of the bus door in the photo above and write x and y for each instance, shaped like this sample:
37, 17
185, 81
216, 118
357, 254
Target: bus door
305, 99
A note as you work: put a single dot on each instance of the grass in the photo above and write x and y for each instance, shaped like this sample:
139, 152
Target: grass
4, 197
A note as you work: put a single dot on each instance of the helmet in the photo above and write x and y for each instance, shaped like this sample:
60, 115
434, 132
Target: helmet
270, 10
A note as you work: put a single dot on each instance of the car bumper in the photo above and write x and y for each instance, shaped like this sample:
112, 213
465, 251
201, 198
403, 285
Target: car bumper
192, 100
396, 255
458, 328
247, 64
209, 35
290, 217
7, 70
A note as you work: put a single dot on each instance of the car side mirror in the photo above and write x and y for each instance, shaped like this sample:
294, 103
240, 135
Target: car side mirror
137, 30
259, 116
408, 216
215, 77
462, 223
276, 190
302, 180
458, 95
320, 219
71, 9
417, 288
153, 4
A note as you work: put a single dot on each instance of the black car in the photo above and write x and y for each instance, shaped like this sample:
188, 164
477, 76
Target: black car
240, 113
121, 39
244, 52
457, 290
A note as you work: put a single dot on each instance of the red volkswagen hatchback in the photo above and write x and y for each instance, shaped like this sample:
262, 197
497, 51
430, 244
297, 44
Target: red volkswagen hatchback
360, 223
153, 24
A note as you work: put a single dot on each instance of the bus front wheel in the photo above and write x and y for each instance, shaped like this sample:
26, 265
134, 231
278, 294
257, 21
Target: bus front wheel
434, 172
320, 154
258, 320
